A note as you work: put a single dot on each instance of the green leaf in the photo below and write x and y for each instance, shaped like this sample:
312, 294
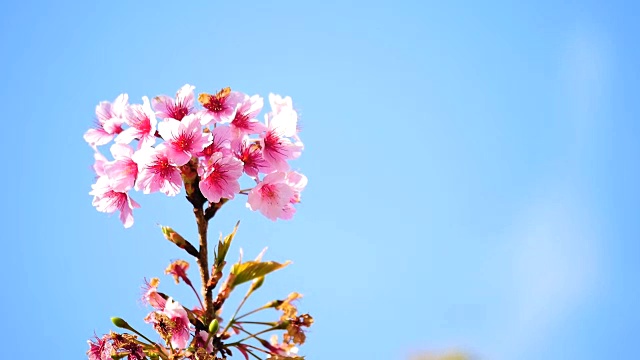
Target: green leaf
223, 246
253, 269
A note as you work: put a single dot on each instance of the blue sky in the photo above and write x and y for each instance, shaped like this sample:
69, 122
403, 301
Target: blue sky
473, 169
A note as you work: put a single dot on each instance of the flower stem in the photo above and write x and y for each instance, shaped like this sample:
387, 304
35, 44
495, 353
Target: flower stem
257, 348
252, 354
233, 318
252, 312
151, 342
197, 295
255, 323
253, 335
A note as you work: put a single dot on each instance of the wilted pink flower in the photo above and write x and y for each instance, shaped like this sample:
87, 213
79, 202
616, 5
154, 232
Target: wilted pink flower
110, 117
107, 200
219, 177
178, 269
122, 172
221, 142
220, 107
156, 172
272, 197
142, 122
166, 107
135, 351
283, 350
183, 139
244, 122
250, 153
100, 348
151, 295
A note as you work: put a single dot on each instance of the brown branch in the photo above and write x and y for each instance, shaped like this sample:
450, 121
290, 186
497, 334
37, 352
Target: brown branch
203, 262
195, 197
213, 209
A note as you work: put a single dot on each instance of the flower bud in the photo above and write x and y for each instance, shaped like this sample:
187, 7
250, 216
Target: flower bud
119, 322
213, 327
173, 236
256, 284
177, 239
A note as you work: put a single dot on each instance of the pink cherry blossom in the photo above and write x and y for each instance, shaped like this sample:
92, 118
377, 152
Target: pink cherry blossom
278, 103
221, 142
100, 349
151, 295
122, 172
201, 338
281, 125
98, 165
297, 182
244, 122
183, 139
142, 122
272, 197
156, 172
285, 121
110, 117
277, 149
166, 107
219, 177
284, 117
220, 107
180, 333
107, 200
250, 153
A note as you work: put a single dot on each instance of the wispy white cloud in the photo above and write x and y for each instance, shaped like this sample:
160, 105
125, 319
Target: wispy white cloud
555, 259
555, 269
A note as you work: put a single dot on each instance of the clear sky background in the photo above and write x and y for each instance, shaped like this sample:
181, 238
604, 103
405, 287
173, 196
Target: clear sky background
473, 170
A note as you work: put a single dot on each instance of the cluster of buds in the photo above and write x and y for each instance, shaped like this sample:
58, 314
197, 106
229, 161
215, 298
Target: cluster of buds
205, 149
197, 334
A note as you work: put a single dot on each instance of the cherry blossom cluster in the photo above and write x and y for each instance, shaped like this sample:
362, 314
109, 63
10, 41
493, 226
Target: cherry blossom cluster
167, 143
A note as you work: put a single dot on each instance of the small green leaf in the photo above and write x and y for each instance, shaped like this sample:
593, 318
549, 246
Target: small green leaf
252, 269
223, 246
